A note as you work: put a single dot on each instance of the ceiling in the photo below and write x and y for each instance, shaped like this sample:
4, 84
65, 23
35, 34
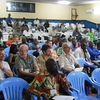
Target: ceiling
73, 2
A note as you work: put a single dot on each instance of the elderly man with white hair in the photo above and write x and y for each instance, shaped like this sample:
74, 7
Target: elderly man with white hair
25, 64
67, 61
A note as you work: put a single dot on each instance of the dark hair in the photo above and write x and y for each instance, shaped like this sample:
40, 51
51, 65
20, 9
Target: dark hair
1, 49
83, 46
13, 49
51, 66
45, 47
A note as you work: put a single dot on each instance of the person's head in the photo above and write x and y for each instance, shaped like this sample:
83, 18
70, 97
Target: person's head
49, 42
24, 40
2, 54
74, 41
10, 37
83, 46
16, 38
13, 49
95, 40
51, 67
23, 51
84, 40
91, 44
46, 49
66, 47
35, 41
9, 15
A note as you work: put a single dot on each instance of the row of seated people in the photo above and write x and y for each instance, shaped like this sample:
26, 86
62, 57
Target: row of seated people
79, 53
27, 69
24, 64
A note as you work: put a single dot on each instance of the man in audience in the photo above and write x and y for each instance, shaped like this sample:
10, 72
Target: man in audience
67, 61
26, 65
53, 52
94, 52
46, 53
4, 66
73, 44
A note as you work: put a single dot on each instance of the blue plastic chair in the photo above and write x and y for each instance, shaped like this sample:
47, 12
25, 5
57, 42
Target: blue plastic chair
96, 78
6, 50
77, 80
31, 51
12, 88
82, 61
34, 97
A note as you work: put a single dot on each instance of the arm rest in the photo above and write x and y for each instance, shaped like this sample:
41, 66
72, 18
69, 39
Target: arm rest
91, 66
74, 92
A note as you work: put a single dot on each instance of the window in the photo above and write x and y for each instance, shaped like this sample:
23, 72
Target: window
20, 7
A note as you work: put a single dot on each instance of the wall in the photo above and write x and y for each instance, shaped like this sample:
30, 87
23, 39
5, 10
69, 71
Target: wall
43, 11
53, 11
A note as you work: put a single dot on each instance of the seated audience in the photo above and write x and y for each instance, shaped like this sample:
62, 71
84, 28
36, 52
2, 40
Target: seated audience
93, 51
50, 83
70, 27
53, 52
25, 64
4, 66
91, 35
77, 34
73, 44
10, 40
12, 55
82, 52
67, 61
59, 49
46, 54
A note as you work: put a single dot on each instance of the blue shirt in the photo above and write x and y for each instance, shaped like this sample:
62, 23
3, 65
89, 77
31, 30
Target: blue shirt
94, 52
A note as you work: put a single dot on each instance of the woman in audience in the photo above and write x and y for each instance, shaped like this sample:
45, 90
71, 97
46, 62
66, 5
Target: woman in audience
82, 52
12, 55
50, 83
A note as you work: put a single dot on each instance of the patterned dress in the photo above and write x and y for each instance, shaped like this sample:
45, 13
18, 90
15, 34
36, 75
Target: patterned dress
44, 84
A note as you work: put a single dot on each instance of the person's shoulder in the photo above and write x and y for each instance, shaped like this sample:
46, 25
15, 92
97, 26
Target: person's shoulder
60, 75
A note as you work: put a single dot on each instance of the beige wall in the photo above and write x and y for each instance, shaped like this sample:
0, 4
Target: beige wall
53, 11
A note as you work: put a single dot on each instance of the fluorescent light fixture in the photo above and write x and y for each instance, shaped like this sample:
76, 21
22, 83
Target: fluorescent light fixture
64, 2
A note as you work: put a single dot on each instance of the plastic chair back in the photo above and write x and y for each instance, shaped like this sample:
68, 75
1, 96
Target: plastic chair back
96, 75
12, 88
77, 80
31, 51
81, 61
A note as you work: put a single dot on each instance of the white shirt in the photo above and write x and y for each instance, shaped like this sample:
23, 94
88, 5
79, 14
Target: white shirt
67, 62
6, 66
4, 23
78, 53
36, 22
27, 33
